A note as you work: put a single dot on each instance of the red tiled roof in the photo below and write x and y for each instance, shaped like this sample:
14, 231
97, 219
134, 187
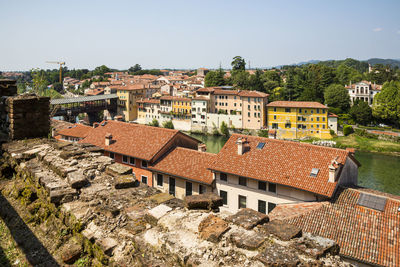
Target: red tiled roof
149, 100
282, 162
78, 130
252, 94
332, 115
363, 234
296, 104
225, 92
187, 163
176, 98
135, 140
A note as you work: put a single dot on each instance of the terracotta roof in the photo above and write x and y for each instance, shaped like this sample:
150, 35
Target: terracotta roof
187, 163
135, 140
296, 104
149, 100
246, 93
225, 92
59, 125
288, 211
176, 98
206, 89
77, 130
332, 115
364, 234
283, 162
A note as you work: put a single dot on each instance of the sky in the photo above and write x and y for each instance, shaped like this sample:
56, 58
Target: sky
194, 34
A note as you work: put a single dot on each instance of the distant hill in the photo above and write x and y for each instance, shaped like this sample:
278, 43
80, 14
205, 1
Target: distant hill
392, 62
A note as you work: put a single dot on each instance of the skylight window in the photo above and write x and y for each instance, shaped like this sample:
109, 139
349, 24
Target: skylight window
260, 145
372, 202
314, 172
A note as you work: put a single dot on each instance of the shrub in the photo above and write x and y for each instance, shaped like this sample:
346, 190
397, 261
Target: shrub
332, 132
154, 123
168, 124
224, 129
263, 133
348, 129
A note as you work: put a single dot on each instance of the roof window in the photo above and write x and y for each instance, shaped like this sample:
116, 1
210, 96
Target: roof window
261, 145
372, 202
314, 172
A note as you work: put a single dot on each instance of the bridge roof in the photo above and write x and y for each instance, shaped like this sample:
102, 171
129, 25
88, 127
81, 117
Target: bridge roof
62, 101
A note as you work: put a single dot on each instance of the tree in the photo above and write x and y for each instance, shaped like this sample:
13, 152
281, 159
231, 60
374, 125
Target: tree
336, 96
58, 86
241, 79
168, 124
214, 78
224, 129
255, 82
238, 63
135, 68
348, 129
386, 105
101, 70
361, 112
39, 81
155, 123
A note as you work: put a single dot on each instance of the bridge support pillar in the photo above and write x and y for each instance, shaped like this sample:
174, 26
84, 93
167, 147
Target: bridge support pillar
93, 117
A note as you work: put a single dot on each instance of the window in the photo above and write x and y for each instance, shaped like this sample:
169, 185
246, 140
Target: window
274, 126
112, 155
242, 202
172, 186
323, 111
248, 114
323, 118
299, 110
271, 206
223, 177
299, 118
262, 185
312, 111
323, 126
274, 117
144, 179
144, 164
224, 196
248, 107
124, 159
160, 180
288, 125
317, 118
272, 187
189, 187
287, 109
242, 181
274, 109
314, 172
202, 189
255, 114
317, 110
262, 206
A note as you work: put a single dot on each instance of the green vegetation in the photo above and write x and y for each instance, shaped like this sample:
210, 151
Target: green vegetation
366, 143
347, 129
155, 123
337, 98
168, 124
263, 133
361, 113
224, 129
386, 106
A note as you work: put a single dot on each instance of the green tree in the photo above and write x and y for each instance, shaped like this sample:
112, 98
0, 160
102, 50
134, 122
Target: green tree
39, 82
155, 123
214, 78
101, 70
238, 63
58, 86
168, 124
241, 79
135, 68
255, 82
386, 105
337, 97
224, 129
348, 129
361, 112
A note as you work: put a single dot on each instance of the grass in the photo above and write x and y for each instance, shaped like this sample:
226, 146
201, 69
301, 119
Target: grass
11, 255
366, 144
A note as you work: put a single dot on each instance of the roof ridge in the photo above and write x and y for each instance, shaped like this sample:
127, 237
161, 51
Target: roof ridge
195, 150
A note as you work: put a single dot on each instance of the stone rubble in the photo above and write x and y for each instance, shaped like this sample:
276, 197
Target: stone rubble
126, 223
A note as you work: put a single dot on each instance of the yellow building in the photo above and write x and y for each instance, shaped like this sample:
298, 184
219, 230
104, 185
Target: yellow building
182, 107
127, 97
295, 119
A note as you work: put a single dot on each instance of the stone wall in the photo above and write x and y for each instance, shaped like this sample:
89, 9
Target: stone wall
28, 116
7, 88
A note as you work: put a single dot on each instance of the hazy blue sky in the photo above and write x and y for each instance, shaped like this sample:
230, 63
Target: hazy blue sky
191, 34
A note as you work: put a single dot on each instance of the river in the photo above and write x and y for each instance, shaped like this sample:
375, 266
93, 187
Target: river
377, 171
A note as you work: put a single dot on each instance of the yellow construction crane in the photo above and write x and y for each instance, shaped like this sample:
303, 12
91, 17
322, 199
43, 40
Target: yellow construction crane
59, 63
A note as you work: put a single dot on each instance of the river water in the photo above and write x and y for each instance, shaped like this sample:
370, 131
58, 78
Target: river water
377, 171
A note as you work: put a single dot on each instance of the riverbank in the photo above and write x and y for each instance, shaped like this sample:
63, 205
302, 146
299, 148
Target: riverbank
366, 144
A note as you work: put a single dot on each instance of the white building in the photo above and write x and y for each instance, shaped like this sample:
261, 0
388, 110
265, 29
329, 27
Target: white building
364, 91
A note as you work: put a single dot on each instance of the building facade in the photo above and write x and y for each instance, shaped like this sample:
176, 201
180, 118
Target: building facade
363, 91
296, 120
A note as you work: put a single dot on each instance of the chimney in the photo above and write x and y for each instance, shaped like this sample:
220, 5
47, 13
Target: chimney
96, 124
333, 167
239, 143
108, 139
53, 132
202, 147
